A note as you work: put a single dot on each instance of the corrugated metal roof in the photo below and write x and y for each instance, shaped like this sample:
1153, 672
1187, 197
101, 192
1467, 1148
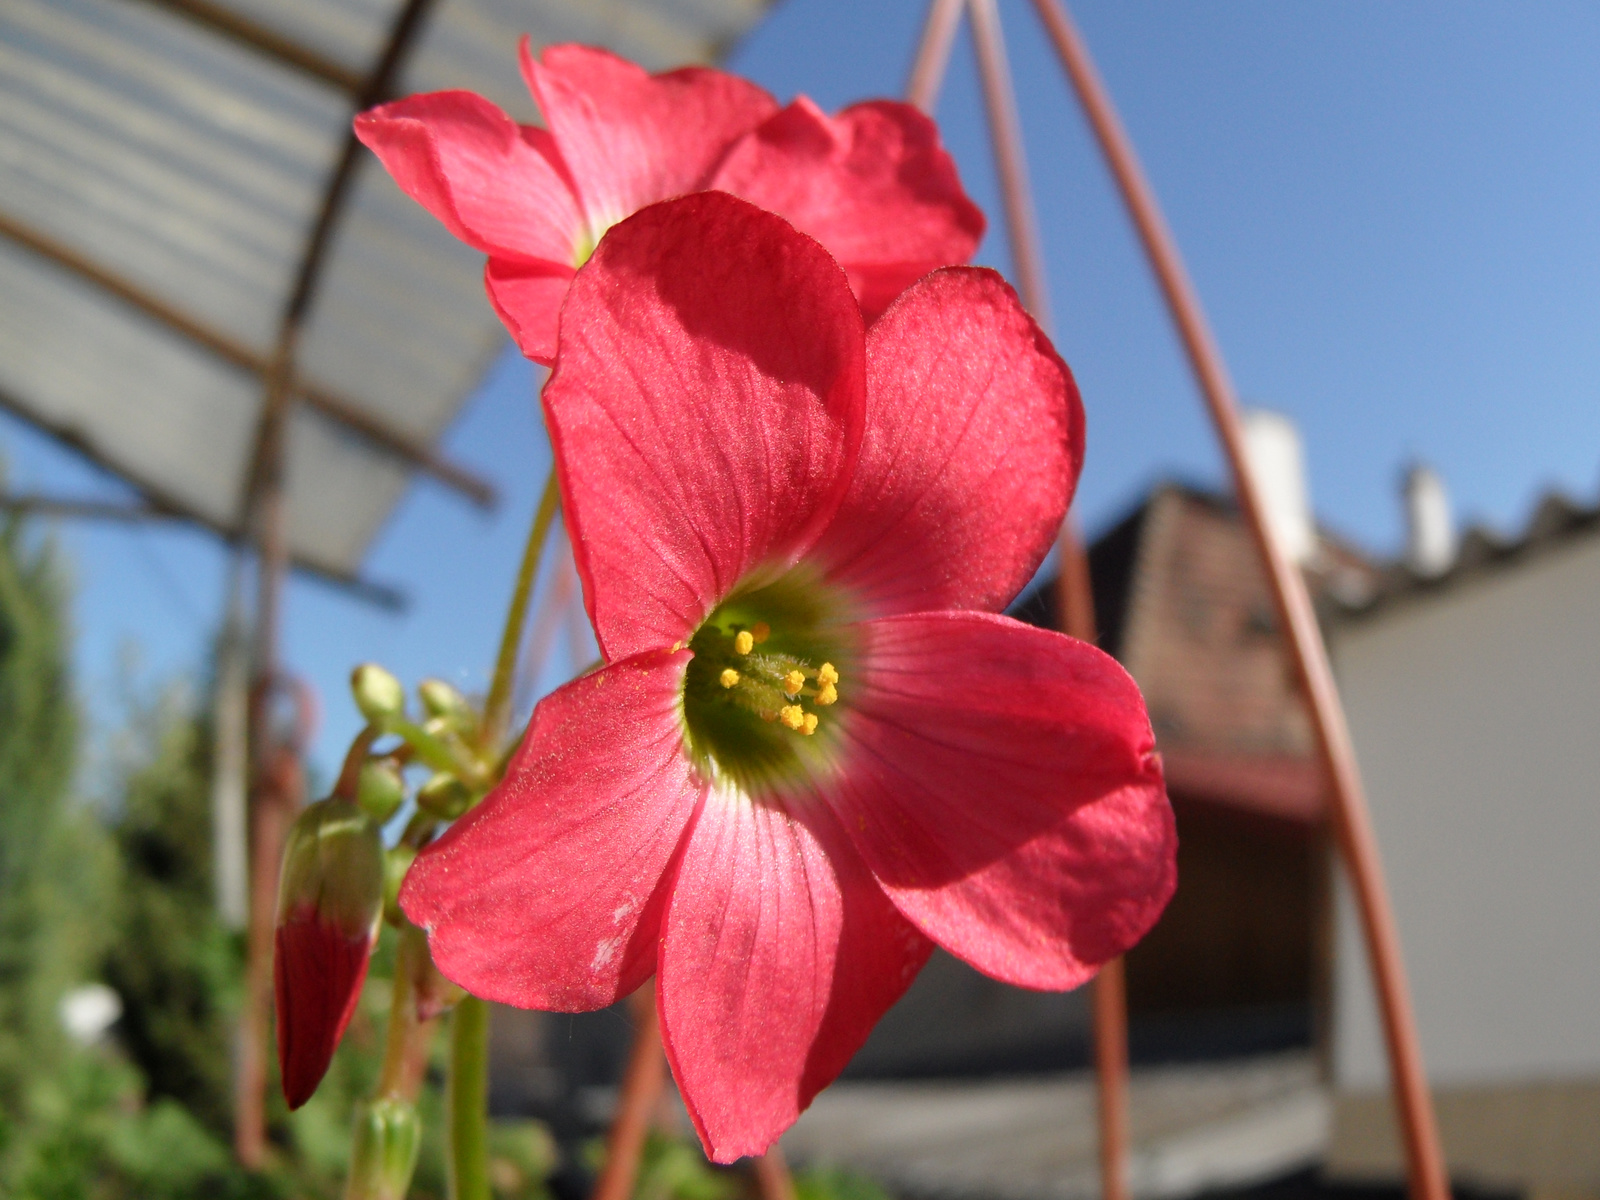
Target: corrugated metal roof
162, 166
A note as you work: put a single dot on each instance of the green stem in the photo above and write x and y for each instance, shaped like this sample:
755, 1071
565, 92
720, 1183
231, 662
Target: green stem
469, 1100
497, 708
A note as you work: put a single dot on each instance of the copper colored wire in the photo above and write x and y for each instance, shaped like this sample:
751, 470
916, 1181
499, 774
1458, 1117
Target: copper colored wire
933, 54
1075, 605
772, 1176
1352, 820
643, 1083
1005, 132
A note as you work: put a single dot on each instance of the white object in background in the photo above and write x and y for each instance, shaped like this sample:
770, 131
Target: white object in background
229, 763
1430, 529
87, 1012
1272, 444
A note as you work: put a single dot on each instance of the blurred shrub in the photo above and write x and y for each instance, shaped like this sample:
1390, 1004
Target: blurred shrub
835, 1183
175, 967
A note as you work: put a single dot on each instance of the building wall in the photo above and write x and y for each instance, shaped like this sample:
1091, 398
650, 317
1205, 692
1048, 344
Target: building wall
1476, 717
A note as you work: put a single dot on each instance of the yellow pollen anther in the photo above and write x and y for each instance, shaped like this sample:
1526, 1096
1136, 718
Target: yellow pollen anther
761, 631
792, 683
744, 641
729, 677
809, 725
793, 716
827, 694
827, 674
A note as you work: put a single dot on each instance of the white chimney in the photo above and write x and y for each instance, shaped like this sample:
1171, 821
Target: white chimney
1430, 530
1272, 444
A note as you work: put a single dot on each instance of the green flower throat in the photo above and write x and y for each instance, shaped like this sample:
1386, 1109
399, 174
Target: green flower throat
762, 695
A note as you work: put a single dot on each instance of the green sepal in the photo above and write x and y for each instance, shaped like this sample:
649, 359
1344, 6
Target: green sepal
387, 1135
333, 866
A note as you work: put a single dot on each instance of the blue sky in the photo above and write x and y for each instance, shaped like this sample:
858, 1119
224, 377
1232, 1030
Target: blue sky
1389, 209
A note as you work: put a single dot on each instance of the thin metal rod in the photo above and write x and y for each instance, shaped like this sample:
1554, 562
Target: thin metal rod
933, 54
1005, 131
1352, 821
643, 1084
265, 41
336, 408
1075, 607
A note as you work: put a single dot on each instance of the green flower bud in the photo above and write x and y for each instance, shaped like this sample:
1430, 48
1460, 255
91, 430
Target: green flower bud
395, 865
388, 1134
439, 699
444, 796
381, 789
378, 694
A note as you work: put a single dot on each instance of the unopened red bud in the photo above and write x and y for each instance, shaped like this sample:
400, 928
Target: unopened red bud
330, 899
377, 693
380, 791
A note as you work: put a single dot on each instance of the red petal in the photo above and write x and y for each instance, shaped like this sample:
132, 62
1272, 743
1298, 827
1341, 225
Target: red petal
1001, 781
630, 138
972, 446
549, 893
317, 972
873, 185
496, 185
528, 296
780, 954
705, 409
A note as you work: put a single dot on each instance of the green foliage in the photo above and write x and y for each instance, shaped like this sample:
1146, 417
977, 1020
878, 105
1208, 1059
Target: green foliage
835, 1183
175, 967
38, 732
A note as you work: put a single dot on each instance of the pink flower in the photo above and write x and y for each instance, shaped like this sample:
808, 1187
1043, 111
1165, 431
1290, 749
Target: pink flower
815, 751
872, 184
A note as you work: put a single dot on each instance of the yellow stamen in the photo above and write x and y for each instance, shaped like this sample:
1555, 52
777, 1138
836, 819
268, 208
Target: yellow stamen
809, 726
792, 683
793, 716
827, 694
761, 631
827, 674
744, 641
729, 677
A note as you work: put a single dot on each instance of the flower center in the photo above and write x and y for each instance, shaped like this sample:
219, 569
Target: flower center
589, 235
770, 665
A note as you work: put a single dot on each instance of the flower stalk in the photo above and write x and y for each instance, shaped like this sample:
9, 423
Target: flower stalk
497, 707
469, 1100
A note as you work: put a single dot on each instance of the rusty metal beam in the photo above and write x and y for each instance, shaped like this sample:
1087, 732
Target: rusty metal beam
36, 504
154, 503
377, 432
263, 510
256, 37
